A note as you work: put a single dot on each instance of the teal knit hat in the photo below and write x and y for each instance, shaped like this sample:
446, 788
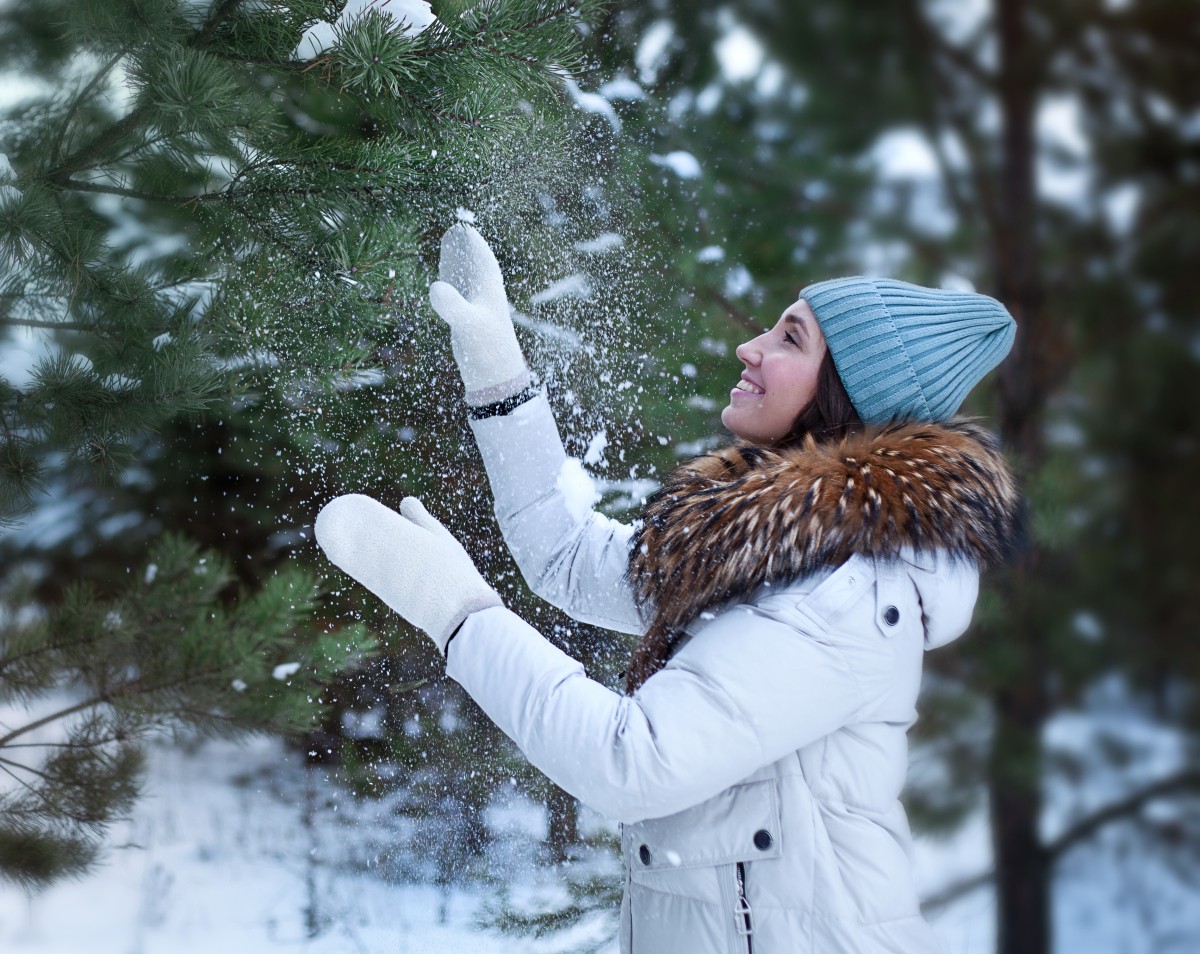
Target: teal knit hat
905, 352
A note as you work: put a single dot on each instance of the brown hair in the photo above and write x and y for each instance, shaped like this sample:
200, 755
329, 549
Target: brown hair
829, 416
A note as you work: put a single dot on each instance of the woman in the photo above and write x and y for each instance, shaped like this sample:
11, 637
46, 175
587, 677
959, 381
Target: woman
784, 590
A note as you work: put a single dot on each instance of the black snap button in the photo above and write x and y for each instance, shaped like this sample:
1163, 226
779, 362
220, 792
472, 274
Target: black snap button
644, 854
762, 839
891, 616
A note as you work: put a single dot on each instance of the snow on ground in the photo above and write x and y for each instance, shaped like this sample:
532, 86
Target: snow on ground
218, 857
240, 847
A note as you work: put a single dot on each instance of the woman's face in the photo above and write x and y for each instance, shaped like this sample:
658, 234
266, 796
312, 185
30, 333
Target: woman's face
780, 377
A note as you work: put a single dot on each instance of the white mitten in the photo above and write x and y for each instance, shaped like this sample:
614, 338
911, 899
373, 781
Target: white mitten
470, 299
407, 559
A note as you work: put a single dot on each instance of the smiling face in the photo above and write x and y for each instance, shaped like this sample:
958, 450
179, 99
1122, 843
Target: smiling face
780, 377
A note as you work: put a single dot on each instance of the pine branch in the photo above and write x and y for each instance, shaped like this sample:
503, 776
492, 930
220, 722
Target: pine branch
53, 717
561, 11
23, 767
224, 194
145, 144
220, 15
75, 185
56, 151
1080, 831
733, 311
20, 781
136, 688
948, 51
441, 114
1187, 780
95, 148
100, 144
32, 323
959, 889
964, 127
103, 740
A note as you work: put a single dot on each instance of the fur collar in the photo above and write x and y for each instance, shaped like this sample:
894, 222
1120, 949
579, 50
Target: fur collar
726, 523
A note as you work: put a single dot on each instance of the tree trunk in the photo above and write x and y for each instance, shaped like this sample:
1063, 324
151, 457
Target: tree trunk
1022, 866
1024, 377
564, 823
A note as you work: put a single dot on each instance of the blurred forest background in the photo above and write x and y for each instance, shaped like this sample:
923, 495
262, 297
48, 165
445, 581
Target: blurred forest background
217, 225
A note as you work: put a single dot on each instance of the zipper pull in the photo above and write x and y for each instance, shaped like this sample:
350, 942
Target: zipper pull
742, 915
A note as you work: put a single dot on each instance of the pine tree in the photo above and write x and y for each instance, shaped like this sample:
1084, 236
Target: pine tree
223, 215
303, 186
161, 653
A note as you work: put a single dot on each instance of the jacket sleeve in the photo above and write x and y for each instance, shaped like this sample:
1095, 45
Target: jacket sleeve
570, 556
744, 692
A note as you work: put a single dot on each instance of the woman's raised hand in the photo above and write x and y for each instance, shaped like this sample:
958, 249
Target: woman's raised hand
407, 559
470, 298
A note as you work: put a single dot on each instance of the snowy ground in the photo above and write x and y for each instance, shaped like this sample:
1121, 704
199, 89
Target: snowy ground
218, 857
240, 848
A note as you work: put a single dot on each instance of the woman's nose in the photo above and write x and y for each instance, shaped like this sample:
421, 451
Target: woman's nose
749, 353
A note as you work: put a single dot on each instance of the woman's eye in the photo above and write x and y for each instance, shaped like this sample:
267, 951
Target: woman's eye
787, 336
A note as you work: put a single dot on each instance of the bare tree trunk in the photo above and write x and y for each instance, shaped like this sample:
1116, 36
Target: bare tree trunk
1025, 376
564, 823
1023, 867
313, 919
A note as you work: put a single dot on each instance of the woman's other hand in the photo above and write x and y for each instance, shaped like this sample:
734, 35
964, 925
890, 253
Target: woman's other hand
407, 559
470, 298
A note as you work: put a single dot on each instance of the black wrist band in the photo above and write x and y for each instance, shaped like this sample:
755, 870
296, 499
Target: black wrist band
500, 408
452, 635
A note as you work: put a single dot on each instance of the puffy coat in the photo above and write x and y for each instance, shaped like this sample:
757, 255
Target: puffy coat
757, 774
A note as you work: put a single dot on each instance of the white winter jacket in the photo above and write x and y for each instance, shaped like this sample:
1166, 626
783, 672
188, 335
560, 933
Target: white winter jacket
757, 775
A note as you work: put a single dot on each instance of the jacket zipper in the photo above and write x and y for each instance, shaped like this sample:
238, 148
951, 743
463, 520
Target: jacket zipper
629, 889
743, 916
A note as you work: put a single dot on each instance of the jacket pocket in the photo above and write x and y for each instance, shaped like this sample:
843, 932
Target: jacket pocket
689, 871
741, 823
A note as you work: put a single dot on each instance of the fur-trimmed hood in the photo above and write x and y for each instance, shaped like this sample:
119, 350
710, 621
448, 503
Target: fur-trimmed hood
726, 523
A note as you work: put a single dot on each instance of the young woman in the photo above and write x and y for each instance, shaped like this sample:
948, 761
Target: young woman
783, 591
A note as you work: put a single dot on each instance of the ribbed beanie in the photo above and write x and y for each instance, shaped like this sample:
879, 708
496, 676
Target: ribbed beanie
905, 352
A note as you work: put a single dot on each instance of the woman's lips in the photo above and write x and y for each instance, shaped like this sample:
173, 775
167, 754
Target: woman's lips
746, 386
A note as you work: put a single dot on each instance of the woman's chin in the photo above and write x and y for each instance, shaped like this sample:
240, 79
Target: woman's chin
750, 428
733, 422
